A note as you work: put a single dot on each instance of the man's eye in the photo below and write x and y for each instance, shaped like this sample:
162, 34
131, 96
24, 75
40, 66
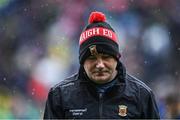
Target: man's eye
106, 56
91, 58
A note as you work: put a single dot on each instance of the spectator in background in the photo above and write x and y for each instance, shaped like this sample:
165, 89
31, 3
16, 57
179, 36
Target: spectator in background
173, 106
101, 89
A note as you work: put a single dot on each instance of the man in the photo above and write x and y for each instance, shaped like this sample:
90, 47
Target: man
101, 88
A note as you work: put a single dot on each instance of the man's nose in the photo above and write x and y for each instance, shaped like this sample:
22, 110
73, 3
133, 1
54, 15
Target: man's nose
100, 63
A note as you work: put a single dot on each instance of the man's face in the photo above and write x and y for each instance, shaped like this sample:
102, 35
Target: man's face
100, 68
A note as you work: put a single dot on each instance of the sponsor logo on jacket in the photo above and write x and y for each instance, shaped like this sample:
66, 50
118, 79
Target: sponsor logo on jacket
78, 112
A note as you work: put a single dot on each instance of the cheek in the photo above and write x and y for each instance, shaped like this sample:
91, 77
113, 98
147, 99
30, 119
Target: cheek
88, 68
114, 66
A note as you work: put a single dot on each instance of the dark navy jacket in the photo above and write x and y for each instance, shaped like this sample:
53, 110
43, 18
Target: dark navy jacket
76, 97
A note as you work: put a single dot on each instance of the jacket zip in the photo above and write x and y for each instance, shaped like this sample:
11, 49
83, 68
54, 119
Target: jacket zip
100, 104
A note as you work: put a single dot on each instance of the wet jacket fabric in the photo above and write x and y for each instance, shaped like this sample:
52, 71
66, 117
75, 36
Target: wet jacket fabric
76, 97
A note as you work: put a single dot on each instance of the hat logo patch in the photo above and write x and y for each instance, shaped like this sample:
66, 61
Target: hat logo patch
93, 50
122, 110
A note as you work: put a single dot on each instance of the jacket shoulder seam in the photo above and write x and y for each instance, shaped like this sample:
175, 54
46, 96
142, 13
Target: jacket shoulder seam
139, 82
66, 82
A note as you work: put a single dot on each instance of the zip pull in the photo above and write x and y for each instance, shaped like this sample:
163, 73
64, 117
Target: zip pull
101, 95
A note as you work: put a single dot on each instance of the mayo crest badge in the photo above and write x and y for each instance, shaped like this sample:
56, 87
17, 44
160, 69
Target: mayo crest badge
122, 110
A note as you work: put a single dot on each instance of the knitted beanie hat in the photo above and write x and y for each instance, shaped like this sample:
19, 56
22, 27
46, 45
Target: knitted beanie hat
98, 36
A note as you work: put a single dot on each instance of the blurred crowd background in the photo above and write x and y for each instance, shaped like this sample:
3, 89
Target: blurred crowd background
39, 48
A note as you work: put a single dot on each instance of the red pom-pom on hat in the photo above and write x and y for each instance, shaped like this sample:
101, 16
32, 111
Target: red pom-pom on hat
97, 17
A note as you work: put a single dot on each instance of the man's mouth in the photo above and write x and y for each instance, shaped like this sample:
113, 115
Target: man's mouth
100, 72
